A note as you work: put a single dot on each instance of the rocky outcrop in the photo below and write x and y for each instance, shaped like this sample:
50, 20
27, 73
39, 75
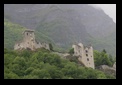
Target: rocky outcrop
107, 69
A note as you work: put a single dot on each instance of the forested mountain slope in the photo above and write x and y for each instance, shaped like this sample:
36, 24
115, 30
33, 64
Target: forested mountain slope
63, 25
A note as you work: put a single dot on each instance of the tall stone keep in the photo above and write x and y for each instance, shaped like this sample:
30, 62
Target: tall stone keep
29, 42
85, 54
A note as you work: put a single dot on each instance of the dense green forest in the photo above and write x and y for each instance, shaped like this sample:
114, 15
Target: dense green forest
43, 64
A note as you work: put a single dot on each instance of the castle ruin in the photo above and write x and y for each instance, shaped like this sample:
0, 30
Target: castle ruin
29, 42
85, 54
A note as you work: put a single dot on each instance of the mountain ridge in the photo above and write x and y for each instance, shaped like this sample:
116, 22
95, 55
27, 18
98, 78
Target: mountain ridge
66, 24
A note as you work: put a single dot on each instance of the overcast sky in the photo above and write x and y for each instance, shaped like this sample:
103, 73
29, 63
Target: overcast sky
109, 9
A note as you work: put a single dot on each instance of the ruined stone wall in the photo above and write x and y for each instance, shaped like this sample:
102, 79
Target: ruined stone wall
38, 45
45, 45
29, 42
19, 46
85, 54
89, 57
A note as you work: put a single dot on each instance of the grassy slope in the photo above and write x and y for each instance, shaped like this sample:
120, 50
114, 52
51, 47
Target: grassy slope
52, 30
12, 33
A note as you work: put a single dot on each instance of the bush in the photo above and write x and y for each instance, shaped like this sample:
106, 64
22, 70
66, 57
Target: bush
71, 51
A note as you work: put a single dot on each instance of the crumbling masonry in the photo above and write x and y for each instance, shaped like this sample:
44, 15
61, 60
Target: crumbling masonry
85, 54
29, 42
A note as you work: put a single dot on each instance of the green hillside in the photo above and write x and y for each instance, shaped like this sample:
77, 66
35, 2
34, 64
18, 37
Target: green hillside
12, 34
50, 34
43, 64
64, 25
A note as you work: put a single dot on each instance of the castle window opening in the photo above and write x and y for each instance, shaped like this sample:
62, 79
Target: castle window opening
91, 56
27, 33
86, 51
86, 54
87, 59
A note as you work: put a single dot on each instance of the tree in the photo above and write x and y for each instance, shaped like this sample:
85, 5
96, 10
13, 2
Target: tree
101, 58
112, 60
29, 70
70, 70
20, 61
105, 59
100, 75
30, 77
41, 73
104, 51
11, 75
54, 72
71, 51
50, 46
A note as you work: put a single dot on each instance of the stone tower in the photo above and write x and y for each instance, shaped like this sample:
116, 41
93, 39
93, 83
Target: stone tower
29, 39
85, 54
29, 42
